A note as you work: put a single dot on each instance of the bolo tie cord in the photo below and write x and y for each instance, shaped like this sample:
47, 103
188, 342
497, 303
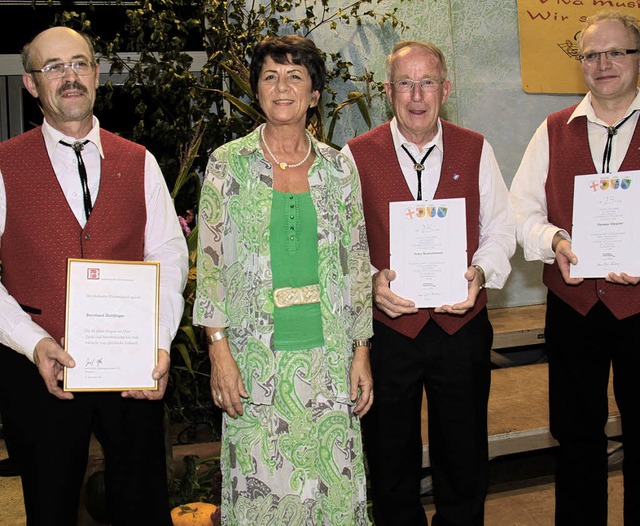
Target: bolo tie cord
419, 167
608, 147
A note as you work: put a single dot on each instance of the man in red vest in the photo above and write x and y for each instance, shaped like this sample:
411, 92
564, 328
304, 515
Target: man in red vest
591, 323
69, 189
445, 350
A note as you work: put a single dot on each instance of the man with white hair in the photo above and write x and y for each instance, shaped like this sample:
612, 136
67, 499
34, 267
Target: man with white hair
446, 350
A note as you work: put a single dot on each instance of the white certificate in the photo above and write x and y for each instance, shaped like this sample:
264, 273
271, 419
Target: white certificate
606, 224
428, 245
111, 325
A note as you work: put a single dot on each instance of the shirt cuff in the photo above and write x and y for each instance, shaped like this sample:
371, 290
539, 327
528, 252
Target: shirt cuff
549, 256
26, 336
164, 339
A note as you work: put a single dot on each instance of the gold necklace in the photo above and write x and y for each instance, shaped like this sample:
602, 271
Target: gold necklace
284, 165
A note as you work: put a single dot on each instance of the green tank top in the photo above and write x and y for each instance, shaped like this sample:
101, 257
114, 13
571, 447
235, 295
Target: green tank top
294, 263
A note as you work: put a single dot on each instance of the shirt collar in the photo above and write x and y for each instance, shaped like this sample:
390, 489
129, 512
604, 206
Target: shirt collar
399, 139
585, 109
52, 136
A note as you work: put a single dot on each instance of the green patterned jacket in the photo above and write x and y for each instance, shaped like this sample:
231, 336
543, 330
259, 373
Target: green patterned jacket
234, 269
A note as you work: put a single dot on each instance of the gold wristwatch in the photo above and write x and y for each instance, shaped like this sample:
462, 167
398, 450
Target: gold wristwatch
361, 342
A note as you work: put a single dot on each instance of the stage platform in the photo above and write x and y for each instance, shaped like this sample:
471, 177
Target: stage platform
518, 403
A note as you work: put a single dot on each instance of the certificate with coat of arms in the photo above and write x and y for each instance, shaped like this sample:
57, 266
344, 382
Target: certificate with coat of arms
428, 249
606, 224
112, 325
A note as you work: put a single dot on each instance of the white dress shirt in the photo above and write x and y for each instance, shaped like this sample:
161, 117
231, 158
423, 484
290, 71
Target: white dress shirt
533, 230
163, 238
497, 224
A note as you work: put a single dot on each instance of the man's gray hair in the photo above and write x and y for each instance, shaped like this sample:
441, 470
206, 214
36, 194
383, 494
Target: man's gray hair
431, 48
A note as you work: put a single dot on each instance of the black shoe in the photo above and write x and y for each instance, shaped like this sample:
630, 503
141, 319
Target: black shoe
8, 468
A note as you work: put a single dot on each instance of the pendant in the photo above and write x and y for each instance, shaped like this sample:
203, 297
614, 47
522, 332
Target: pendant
283, 166
418, 167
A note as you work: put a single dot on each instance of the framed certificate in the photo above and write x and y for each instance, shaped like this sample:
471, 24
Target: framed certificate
112, 325
428, 245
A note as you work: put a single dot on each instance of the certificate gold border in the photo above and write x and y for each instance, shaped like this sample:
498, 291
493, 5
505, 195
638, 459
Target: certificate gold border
156, 264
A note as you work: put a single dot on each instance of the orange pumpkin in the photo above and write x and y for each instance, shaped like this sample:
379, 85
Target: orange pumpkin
193, 514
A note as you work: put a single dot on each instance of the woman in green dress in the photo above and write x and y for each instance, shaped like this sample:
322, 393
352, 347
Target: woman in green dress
284, 291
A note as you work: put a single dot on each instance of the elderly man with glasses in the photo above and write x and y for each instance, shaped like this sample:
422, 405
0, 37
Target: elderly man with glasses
70, 189
591, 323
443, 350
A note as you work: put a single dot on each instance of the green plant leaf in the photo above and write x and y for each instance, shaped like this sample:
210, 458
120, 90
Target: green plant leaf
186, 356
242, 81
363, 107
242, 106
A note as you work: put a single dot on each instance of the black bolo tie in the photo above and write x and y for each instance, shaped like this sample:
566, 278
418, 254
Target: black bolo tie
608, 147
419, 167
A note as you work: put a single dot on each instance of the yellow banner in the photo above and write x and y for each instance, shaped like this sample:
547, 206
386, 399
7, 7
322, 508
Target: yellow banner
548, 41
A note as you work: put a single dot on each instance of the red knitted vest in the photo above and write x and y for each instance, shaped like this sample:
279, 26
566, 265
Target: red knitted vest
569, 155
382, 182
41, 231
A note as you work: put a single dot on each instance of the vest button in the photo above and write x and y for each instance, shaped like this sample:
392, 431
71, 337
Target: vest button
87, 236
601, 292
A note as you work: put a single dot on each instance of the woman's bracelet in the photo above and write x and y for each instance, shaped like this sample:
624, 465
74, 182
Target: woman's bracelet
218, 335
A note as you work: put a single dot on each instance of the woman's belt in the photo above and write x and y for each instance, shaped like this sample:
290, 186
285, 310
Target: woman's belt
288, 296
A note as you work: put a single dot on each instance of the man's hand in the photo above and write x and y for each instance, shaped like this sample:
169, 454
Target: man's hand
361, 381
50, 359
475, 282
565, 258
226, 383
388, 302
622, 279
160, 373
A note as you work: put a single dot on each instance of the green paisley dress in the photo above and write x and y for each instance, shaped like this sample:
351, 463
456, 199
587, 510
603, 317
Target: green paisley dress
295, 456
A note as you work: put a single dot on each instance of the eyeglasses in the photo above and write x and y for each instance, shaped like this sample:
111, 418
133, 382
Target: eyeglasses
614, 55
57, 70
407, 85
